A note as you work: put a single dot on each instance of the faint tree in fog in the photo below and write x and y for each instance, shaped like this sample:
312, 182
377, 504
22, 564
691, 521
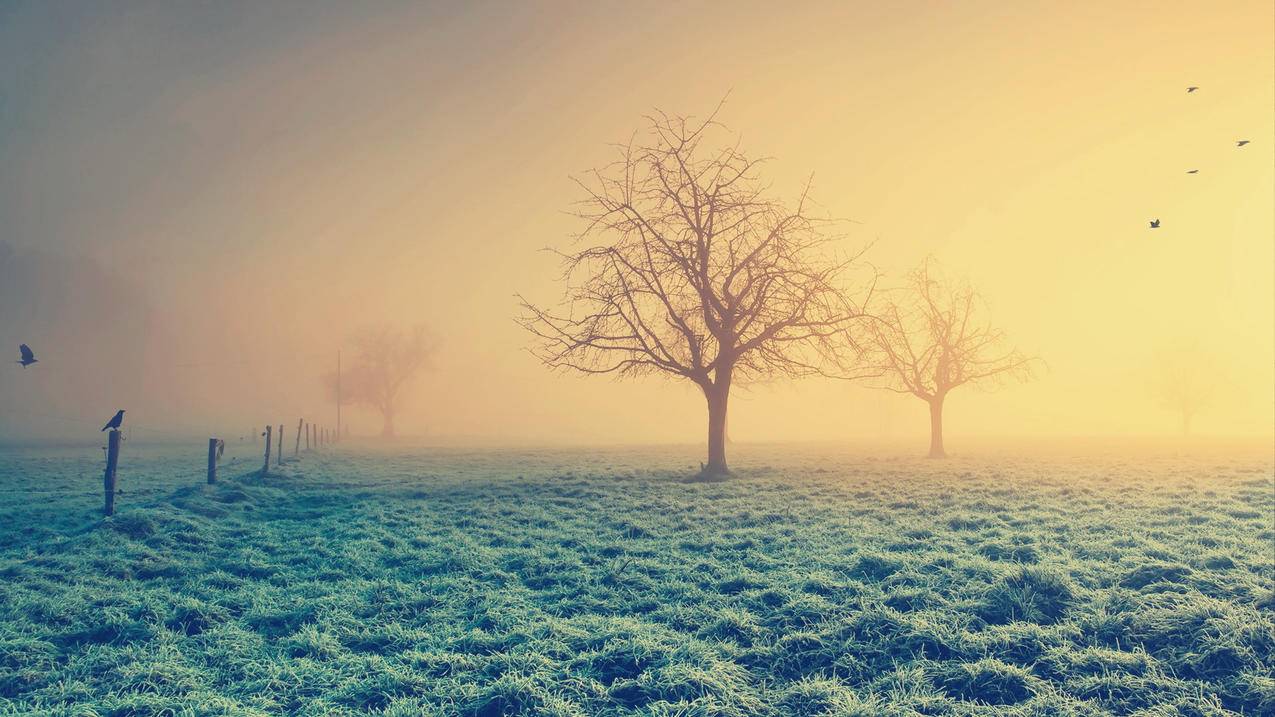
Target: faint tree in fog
1186, 383
385, 362
687, 267
930, 337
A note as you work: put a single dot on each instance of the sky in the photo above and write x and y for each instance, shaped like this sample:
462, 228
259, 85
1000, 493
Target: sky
203, 202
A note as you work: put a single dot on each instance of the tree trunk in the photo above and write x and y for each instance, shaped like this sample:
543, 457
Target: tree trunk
718, 395
936, 428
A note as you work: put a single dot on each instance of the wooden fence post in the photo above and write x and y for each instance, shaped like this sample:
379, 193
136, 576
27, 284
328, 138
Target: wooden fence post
212, 461
265, 467
280, 451
296, 449
112, 460
307, 436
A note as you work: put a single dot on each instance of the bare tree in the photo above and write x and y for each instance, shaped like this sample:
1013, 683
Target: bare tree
1186, 382
688, 269
930, 338
385, 362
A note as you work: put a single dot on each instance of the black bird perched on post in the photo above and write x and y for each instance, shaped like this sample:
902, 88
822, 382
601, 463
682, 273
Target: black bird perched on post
28, 357
1155, 224
115, 421
1241, 143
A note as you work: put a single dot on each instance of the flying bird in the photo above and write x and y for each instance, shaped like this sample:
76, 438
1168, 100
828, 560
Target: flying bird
1189, 90
28, 357
115, 421
1241, 143
1192, 171
1155, 224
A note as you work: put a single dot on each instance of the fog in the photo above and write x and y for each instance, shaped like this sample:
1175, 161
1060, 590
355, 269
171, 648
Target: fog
201, 208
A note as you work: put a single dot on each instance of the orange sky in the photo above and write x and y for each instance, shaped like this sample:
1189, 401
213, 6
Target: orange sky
273, 177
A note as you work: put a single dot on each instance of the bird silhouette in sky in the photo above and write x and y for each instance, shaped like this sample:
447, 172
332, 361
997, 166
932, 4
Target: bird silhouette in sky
1192, 171
1241, 143
1155, 224
115, 421
28, 356
1189, 90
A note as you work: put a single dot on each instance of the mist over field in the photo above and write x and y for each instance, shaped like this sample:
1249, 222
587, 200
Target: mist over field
210, 201
565, 360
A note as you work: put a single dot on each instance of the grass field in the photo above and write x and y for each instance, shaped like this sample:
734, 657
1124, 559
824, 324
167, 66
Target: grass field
431, 582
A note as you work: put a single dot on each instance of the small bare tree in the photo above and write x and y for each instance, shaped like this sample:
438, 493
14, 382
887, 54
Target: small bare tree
930, 338
690, 270
386, 360
1186, 383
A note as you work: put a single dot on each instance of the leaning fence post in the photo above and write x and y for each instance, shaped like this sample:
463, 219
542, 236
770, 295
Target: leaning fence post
296, 449
265, 467
108, 479
212, 461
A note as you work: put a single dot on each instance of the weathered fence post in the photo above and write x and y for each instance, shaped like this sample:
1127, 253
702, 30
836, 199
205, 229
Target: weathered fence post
296, 449
112, 460
280, 451
307, 436
265, 467
212, 461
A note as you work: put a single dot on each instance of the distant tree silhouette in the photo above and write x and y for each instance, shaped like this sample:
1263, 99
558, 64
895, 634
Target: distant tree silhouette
929, 338
1186, 383
689, 269
385, 362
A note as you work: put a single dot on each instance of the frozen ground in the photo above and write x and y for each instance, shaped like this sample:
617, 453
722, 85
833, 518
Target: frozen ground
595, 583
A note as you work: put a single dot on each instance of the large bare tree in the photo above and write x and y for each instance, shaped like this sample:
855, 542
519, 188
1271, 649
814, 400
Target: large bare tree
385, 362
1186, 382
930, 337
686, 267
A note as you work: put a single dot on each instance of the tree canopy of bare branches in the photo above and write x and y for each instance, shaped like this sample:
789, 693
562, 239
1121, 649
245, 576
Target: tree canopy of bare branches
930, 337
687, 267
385, 362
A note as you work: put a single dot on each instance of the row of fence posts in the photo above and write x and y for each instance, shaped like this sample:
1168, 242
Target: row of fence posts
315, 436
